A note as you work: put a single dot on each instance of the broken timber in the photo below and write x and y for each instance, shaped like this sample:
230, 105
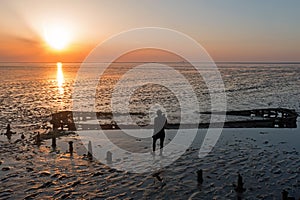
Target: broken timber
257, 118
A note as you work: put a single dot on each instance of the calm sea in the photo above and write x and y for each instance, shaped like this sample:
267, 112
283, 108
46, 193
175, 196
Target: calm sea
30, 92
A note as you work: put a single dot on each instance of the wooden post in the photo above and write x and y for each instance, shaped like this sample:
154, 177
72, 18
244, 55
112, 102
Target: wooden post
284, 195
53, 141
90, 151
38, 139
240, 185
109, 157
200, 176
71, 148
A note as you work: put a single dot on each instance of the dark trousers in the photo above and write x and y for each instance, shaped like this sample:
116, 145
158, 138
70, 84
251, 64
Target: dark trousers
161, 138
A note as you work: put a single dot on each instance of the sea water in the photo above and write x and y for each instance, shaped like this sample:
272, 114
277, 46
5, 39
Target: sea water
31, 92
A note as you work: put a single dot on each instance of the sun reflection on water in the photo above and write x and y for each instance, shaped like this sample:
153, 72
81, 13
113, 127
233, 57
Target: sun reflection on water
60, 78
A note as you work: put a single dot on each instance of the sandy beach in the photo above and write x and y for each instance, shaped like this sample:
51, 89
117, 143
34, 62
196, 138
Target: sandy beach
267, 159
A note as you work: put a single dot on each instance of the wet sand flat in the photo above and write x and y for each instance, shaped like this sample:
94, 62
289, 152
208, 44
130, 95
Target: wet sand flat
268, 160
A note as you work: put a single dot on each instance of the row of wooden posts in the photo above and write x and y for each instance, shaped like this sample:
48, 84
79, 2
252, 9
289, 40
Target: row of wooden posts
38, 141
89, 153
239, 188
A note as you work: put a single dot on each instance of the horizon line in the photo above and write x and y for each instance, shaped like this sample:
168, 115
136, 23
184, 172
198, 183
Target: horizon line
233, 62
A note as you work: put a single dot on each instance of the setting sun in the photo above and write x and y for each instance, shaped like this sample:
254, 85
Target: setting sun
57, 37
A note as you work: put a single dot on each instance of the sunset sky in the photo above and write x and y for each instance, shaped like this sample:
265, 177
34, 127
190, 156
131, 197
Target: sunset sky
230, 30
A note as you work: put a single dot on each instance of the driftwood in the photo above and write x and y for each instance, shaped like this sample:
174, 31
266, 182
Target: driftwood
262, 118
257, 118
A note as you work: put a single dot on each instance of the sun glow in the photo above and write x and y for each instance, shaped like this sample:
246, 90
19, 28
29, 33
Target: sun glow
57, 37
60, 78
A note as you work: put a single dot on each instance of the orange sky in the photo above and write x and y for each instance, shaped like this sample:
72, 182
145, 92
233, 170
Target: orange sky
229, 31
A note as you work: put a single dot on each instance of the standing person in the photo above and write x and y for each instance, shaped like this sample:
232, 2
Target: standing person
160, 123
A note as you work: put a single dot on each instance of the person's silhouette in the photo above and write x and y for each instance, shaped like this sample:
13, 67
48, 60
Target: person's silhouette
160, 123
